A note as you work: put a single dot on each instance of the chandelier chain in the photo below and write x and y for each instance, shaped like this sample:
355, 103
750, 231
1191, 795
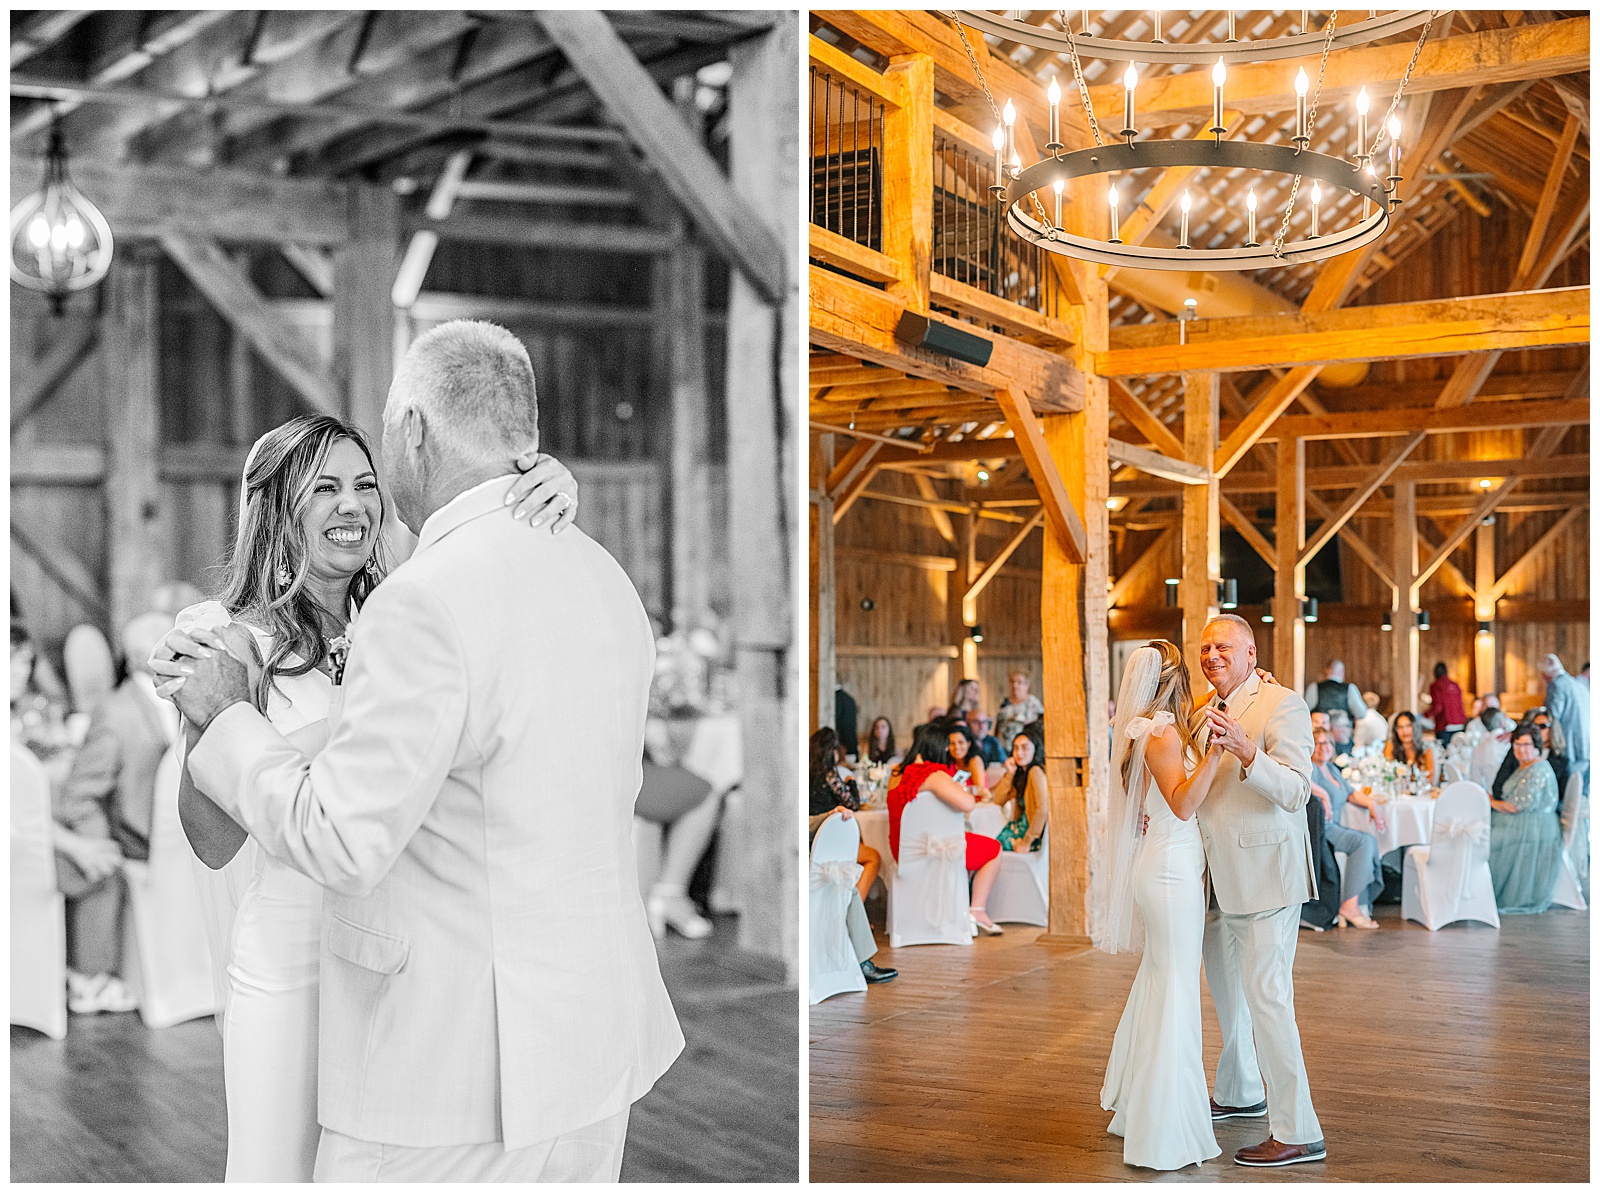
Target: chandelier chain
1311, 125
1405, 78
1077, 73
977, 70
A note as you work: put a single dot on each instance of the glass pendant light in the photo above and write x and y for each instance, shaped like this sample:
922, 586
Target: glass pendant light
60, 243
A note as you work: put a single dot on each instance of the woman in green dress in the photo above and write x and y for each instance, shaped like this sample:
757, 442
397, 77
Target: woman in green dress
1524, 832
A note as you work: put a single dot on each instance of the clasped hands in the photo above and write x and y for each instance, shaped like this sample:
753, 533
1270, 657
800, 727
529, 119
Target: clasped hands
1229, 735
205, 671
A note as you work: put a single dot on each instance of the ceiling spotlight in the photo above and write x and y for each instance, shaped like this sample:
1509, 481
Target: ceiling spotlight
1308, 610
1485, 484
976, 633
1388, 624
1172, 593
1423, 621
1229, 594
1267, 618
983, 476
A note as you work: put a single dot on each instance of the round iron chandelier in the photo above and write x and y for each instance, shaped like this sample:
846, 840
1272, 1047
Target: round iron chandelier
1029, 196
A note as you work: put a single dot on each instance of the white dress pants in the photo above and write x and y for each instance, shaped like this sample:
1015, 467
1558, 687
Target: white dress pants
589, 1154
1250, 969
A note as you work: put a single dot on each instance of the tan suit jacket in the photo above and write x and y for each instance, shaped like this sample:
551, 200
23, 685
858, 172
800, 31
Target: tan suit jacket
487, 970
1257, 841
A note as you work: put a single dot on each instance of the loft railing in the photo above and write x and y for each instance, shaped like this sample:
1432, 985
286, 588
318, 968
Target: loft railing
846, 159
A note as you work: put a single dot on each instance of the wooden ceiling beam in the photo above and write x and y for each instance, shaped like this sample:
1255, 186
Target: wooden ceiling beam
1529, 52
1139, 417
1248, 531
1529, 557
1370, 423
741, 234
1392, 332
37, 381
1147, 559
859, 321
38, 31
1029, 438
1374, 481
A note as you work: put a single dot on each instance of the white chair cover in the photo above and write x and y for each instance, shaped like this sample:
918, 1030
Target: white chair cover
91, 673
1574, 876
1448, 879
1021, 891
1450, 772
38, 910
166, 959
928, 898
834, 873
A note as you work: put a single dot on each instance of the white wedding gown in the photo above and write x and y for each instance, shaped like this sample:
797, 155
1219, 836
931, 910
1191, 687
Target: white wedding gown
1155, 1081
266, 937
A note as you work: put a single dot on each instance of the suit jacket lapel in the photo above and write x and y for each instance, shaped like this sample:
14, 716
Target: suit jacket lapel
1243, 697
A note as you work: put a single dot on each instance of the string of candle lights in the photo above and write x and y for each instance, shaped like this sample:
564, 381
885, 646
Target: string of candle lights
1015, 186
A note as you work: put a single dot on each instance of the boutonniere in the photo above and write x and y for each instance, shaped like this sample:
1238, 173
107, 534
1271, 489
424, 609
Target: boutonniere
338, 655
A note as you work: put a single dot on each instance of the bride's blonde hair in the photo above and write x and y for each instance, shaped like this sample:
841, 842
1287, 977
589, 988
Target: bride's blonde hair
1173, 695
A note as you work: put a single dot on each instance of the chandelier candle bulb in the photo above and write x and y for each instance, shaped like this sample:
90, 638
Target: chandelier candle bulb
1232, 36
1362, 105
1316, 199
1394, 155
1054, 96
1219, 76
1009, 117
1250, 203
1302, 84
1130, 80
1183, 223
1305, 20
1157, 37
1061, 184
1111, 198
999, 143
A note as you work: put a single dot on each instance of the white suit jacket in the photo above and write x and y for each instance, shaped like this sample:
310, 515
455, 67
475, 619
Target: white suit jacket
487, 970
1257, 841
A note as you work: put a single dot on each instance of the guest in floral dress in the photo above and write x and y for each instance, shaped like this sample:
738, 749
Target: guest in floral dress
1025, 782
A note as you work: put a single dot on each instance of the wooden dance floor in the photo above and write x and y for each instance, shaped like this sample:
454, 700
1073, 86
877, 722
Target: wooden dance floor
1460, 1055
117, 1102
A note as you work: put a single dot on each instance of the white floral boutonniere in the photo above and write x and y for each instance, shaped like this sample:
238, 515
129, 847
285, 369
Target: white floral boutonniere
338, 656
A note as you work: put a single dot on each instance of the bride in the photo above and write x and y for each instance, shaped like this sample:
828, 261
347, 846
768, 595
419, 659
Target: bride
307, 555
1155, 1080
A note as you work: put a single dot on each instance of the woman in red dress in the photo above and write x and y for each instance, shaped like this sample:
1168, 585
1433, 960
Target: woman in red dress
928, 768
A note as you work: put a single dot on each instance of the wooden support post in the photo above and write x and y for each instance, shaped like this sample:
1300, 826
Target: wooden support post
825, 598
681, 312
1483, 679
908, 181
1288, 627
1202, 531
1066, 732
363, 311
763, 404
130, 339
1405, 643
961, 612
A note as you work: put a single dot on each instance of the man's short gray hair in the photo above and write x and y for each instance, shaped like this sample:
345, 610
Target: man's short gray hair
1235, 619
474, 382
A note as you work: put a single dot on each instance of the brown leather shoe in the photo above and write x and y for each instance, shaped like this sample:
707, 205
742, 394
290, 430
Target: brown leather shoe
1219, 1113
1273, 1154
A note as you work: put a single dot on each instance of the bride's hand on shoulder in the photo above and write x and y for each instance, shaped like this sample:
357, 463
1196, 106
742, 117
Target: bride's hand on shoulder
546, 493
1267, 677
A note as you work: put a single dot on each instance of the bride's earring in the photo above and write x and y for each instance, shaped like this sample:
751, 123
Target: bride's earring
283, 577
372, 566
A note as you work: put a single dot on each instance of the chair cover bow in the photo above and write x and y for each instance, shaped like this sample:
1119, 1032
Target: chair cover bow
832, 884
946, 854
1473, 836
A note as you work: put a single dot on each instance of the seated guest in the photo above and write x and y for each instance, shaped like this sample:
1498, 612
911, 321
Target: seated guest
880, 741
989, 746
1321, 720
1524, 831
1449, 717
1343, 731
928, 769
1406, 745
830, 790
1017, 711
1550, 749
970, 765
1370, 729
1024, 782
1363, 878
38, 703
856, 924
103, 814
964, 697
1493, 748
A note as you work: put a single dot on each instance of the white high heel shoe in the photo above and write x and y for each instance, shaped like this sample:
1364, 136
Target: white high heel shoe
675, 911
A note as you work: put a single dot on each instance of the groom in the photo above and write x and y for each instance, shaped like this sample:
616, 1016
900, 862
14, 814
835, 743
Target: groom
1258, 850
491, 1004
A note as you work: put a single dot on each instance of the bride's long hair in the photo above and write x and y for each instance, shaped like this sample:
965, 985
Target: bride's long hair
279, 475
1155, 682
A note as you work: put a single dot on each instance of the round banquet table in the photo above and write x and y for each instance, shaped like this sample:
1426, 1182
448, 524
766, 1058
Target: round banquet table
1408, 821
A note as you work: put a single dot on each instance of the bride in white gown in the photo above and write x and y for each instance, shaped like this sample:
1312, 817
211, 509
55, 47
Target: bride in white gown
1155, 1080
307, 554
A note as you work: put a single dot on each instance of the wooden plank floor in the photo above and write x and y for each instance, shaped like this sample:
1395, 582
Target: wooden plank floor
117, 1102
1461, 1055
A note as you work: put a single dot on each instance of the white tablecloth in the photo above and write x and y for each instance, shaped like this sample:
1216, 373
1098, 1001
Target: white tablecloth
1408, 821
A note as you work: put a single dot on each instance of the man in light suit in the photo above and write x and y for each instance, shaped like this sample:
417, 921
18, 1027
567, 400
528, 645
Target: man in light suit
1258, 850
491, 1004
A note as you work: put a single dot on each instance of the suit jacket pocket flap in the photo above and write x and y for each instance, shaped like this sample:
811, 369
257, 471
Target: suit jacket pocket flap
367, 948
1275, 836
